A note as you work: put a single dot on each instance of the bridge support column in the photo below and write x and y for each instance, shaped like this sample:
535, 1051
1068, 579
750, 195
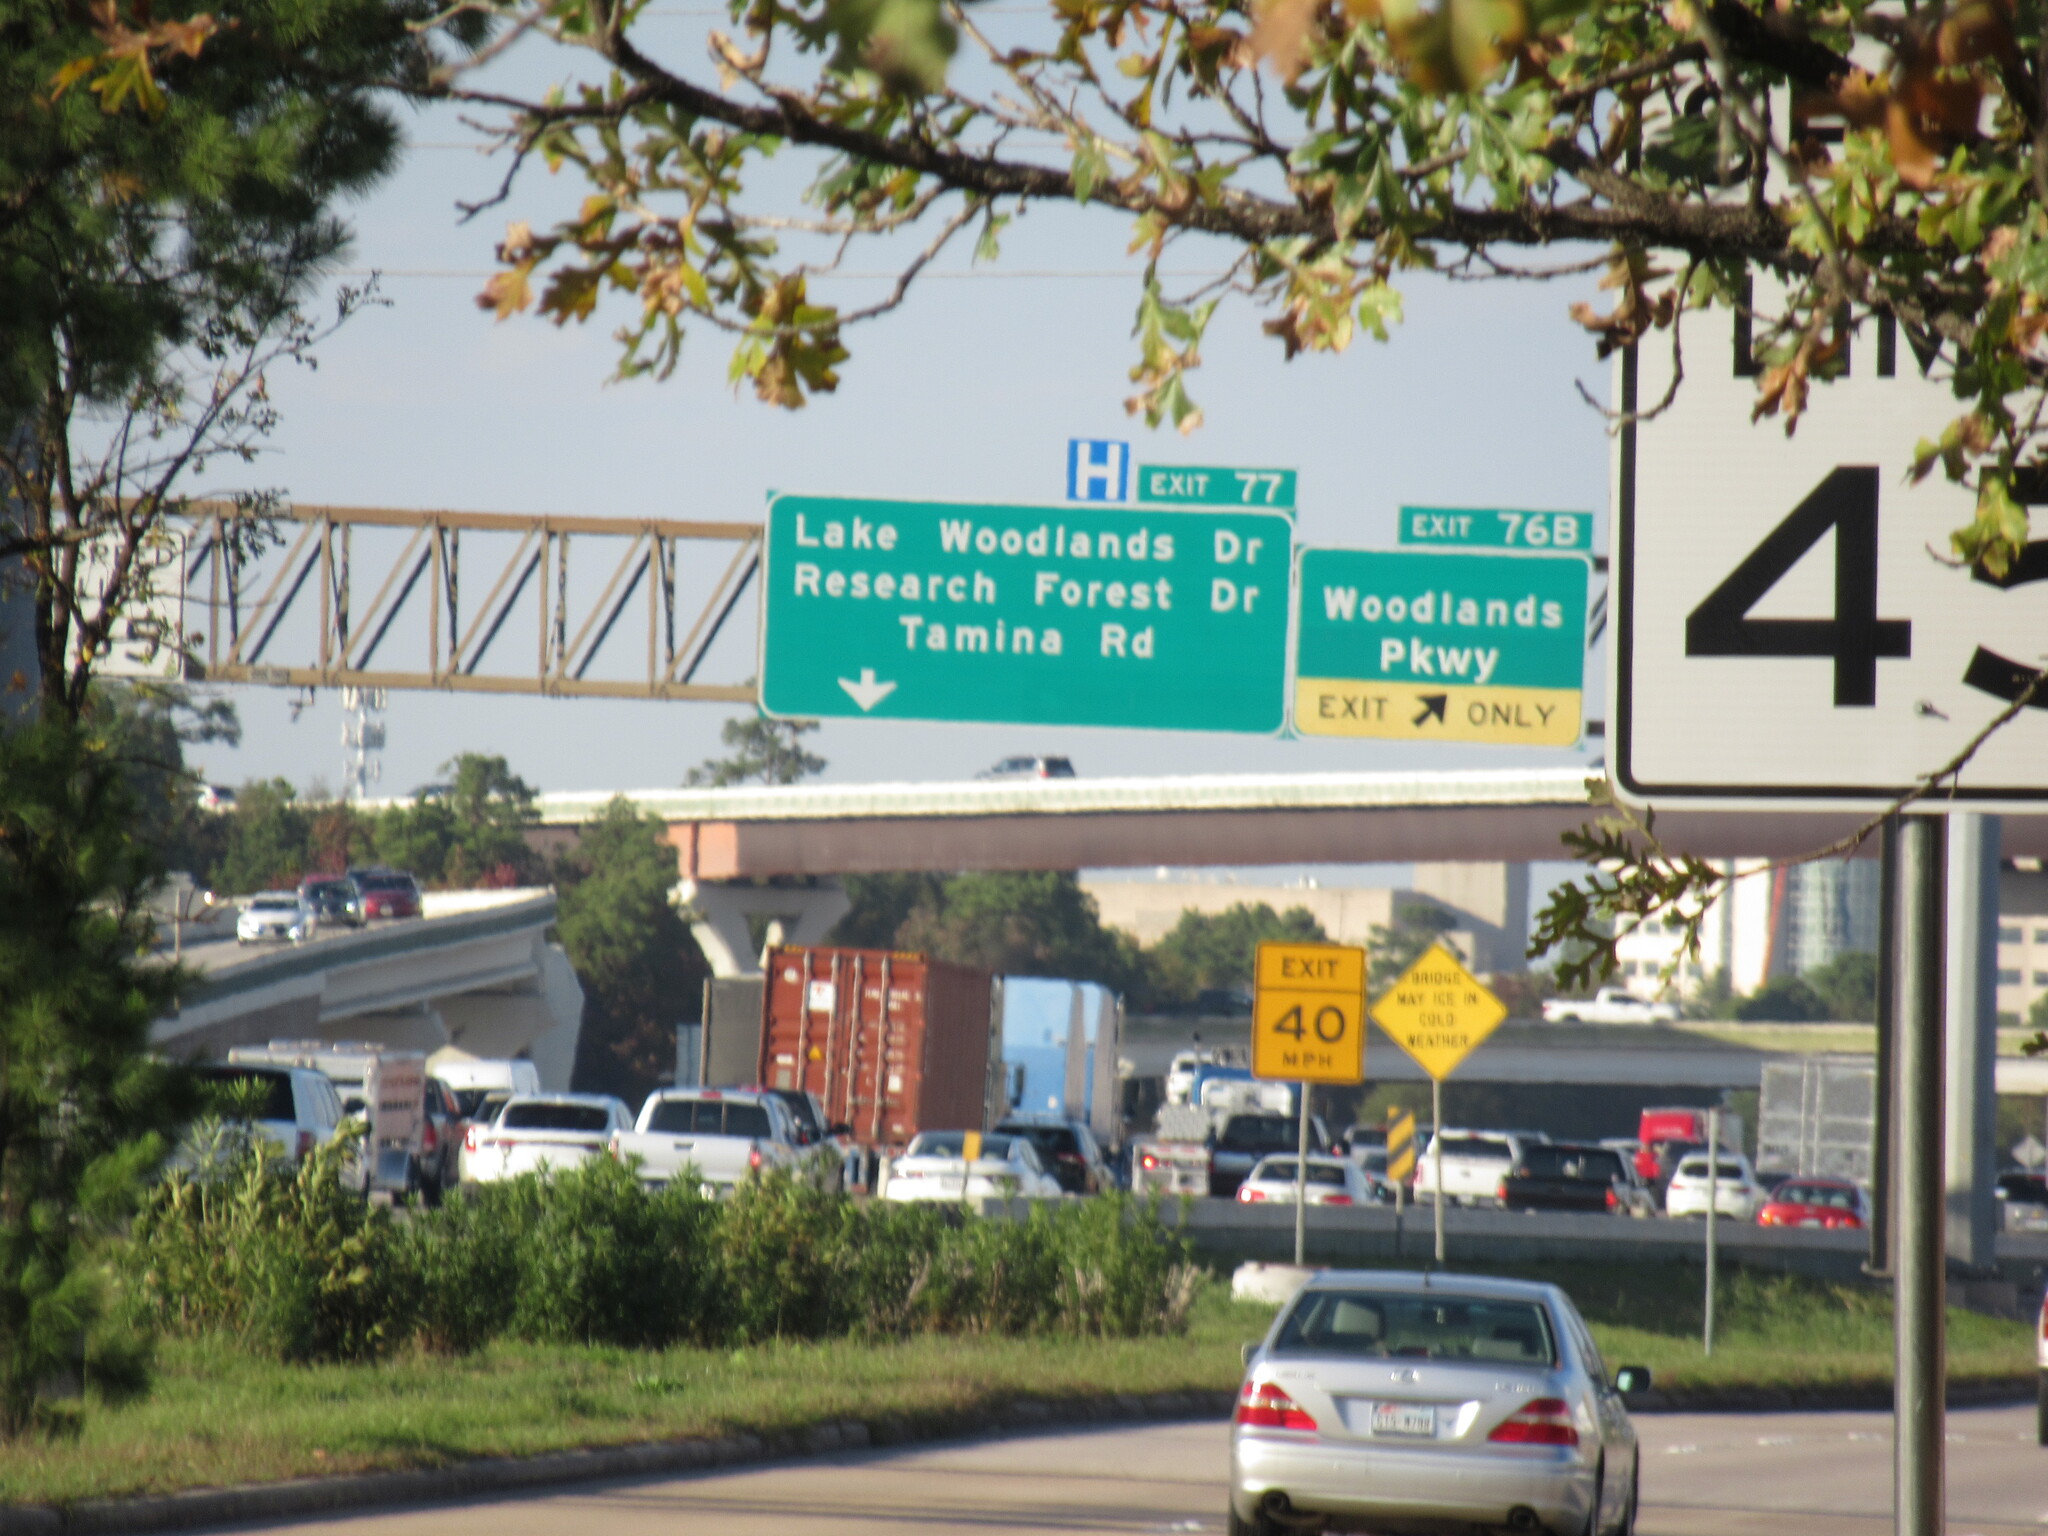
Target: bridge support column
720, 918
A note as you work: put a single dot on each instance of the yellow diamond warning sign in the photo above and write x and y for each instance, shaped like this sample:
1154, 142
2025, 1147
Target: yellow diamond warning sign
1438, 1012
1308, 1013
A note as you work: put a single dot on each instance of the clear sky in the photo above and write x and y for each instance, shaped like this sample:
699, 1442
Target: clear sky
970, 391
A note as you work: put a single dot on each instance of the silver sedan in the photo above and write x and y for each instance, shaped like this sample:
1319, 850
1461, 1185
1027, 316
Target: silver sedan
1416, 1403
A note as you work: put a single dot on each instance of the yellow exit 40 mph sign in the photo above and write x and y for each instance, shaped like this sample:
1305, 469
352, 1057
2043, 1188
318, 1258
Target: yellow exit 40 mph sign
1438, 1012
1308, 1013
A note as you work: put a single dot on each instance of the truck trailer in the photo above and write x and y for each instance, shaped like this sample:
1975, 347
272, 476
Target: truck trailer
890, 1042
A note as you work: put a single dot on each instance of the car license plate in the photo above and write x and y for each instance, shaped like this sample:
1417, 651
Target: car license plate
1404, 1419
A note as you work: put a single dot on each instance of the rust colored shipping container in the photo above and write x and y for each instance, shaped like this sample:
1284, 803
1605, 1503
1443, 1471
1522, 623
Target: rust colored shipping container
891, 1043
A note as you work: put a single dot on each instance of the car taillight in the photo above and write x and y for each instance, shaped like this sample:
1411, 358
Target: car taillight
1265, 1406
1147, 1160
305, 1145
1338, 1200
469, 1139
1501, 1193
1247, 1194
1546, 1421
754, 1156
1612, 1198
431, 1138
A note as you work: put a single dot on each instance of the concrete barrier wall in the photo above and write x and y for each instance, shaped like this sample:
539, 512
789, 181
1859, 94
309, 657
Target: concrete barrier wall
1230, 1233
1225, 1233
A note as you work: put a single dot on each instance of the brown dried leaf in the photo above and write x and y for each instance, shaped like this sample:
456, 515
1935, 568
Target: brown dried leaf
1782, 390
1913, 157
508, 292
187, 37
1860, 99
1975, 31
1282, 31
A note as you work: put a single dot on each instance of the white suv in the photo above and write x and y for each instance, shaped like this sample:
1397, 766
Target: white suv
299, 1109
1737, 1194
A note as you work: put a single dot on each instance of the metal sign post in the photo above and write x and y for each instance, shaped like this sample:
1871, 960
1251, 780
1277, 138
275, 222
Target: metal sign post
1301, 1183
1885, 1114
1436, 1153
1919, 1261
1438, 1013
1713, 1201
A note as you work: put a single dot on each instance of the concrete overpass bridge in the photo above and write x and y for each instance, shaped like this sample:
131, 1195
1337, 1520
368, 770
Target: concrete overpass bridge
476, 973
777, 853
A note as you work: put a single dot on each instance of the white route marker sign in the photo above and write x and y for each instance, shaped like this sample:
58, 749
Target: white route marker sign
1786, 627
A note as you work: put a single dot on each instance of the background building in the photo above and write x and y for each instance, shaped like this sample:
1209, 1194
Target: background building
1489, 904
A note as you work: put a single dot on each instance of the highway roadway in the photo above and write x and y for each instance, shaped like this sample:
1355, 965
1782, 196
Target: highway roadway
1814, 1474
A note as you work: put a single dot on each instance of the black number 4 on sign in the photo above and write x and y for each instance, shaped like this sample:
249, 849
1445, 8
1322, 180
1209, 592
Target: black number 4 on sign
1855, 638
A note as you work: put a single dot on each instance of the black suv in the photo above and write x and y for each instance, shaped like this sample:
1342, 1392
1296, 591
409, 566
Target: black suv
333, 898
1566, 1176
1069, 1151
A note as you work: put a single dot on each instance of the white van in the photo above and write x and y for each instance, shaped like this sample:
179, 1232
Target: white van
473, 1078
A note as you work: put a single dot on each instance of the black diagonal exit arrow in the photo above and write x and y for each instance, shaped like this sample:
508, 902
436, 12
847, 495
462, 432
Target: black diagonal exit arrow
1432, 704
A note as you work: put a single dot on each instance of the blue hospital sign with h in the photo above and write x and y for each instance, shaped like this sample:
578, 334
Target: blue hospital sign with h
1098, 470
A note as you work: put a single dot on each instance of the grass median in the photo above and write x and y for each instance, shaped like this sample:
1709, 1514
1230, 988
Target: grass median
220, 1415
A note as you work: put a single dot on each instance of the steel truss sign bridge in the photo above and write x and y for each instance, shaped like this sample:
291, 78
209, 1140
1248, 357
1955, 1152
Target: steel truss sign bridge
303, 621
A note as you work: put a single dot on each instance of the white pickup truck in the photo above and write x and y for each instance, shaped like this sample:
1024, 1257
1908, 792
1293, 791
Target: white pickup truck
720, 1134
1473, 1162
1610, 1005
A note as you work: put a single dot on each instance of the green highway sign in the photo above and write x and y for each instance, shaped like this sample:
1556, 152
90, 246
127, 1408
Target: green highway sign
1414, 645
1488, 528
1078, 615
1208, 486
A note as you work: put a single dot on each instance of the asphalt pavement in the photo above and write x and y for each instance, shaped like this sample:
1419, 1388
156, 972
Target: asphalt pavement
1810, 1474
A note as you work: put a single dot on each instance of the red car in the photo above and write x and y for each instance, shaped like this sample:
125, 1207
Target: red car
387, 893
1815, 1203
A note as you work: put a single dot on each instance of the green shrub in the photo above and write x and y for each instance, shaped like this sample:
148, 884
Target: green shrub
890, 1267
241, 1244
783, 1249
466, 1260
604, 1260
287, 1258
1123, 1275
996, 1276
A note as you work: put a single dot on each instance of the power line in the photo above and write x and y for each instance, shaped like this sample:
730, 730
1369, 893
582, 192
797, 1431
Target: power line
1035, 274
1014, 141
